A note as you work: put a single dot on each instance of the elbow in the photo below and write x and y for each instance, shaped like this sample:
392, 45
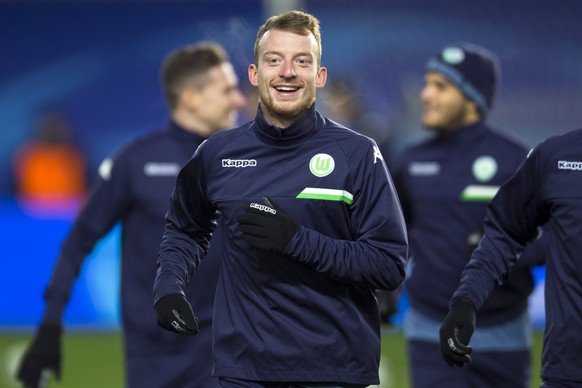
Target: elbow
394, 272
398, 277
398, 269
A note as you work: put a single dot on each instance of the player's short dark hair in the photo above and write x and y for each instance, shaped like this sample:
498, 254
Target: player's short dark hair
189, 66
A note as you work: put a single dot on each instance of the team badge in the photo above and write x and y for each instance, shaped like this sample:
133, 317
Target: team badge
321, 165
484, 168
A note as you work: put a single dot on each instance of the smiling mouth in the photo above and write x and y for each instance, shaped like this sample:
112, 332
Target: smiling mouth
430, 109
286, 89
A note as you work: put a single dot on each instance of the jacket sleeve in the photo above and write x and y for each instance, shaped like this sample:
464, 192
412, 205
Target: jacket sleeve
376, 255
511, 221
535, 252
106, 204
190, 222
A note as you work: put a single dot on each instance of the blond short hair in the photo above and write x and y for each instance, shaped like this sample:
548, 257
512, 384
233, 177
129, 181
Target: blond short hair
293, 21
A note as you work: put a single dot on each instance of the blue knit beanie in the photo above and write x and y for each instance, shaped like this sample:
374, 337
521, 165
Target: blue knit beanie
473, 69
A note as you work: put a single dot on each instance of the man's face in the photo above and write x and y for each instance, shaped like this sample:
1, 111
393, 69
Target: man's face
445, 106
219, 99
287, 75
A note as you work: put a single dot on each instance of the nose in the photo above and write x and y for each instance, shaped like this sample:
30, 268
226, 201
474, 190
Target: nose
425, 93
287, 70
238, 99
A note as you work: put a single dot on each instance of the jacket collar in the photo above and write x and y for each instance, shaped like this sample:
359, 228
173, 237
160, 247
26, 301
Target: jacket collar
304, 126
463, 135
183, 134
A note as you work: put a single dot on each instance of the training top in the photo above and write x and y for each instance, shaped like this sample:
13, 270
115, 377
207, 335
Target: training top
444, 184
133, 188
311, 314
546, 190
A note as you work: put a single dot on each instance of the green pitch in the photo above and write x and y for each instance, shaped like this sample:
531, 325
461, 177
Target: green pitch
95, 360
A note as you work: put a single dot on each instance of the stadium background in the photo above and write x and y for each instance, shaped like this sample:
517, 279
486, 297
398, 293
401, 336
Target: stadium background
98, 63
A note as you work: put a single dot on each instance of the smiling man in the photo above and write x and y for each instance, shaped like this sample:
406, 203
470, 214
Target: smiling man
444, 184
202, 94
290, 74
311, 228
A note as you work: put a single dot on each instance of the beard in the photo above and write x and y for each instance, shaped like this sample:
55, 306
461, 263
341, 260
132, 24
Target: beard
449, 120
285, 111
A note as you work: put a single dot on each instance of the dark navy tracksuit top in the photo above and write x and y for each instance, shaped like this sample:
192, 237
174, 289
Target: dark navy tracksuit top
547, 189
444, 184
310, 315
134, 189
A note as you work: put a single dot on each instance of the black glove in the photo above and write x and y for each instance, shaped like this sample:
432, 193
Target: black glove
43, 356
174, 313
387, 304
267, 226
456, 331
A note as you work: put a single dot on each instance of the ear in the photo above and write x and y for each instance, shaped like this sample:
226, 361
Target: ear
190, 97
473, 111
253, 74
321, 77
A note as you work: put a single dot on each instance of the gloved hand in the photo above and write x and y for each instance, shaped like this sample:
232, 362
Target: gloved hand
387, 304
174, 313
267, 226
456, 331
42, 357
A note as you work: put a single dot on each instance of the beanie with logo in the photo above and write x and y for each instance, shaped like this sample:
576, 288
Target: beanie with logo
471, 68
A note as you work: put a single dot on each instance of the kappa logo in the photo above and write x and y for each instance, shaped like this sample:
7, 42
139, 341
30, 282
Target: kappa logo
238, 163
321, 165
377, 154
161, 169
424, 168
263, 208
569, 165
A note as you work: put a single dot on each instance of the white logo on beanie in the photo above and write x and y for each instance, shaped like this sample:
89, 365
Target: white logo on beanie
453, 55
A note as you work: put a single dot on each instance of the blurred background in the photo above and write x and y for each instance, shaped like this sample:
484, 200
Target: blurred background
85, 75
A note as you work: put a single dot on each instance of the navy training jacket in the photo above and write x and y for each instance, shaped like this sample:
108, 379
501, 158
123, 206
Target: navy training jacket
546, 190
310, 315
445, 184
134, 189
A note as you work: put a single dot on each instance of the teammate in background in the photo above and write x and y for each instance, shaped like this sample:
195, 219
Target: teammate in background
546, 190
312, 226
343, 103
50, 169
134, 188
444, 184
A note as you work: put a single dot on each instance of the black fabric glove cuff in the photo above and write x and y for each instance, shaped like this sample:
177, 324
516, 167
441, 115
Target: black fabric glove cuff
463, 304
49, 335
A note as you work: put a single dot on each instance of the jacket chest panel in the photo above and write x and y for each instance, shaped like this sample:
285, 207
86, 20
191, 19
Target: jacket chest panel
278, 172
